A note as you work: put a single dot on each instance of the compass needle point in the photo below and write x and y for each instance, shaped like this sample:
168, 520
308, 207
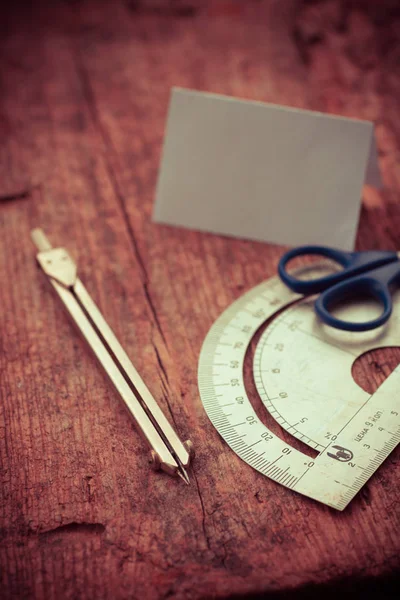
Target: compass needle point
183, 475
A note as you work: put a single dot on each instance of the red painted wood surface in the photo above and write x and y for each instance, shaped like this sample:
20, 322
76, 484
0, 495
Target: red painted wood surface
85, 90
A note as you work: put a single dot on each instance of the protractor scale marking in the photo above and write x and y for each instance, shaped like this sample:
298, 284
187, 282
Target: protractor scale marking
302, 371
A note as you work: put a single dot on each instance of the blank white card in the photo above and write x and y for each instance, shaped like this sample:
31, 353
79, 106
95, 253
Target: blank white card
262, 171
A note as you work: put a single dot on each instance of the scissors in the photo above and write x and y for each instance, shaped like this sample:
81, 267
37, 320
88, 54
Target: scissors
365, 274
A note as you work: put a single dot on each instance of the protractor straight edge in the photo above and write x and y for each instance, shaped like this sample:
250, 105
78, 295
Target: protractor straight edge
370, 431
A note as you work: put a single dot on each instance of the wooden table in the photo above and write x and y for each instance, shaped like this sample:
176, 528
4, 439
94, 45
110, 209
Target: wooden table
82, 113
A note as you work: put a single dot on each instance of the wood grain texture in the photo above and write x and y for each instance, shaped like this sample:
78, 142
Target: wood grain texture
85, 89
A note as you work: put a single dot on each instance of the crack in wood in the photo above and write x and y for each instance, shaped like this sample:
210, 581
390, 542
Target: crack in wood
91, 103
73, 527
206, 537
19, 195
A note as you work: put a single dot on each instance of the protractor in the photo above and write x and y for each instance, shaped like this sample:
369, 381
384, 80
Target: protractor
302, 371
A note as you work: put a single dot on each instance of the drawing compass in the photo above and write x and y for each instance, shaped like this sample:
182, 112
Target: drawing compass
168, 452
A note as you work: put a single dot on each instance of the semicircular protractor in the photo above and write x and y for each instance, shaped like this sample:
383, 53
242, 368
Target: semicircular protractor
302, 371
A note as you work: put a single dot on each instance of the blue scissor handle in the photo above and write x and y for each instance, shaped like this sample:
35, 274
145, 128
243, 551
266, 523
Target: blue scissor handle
353, 263
374, 284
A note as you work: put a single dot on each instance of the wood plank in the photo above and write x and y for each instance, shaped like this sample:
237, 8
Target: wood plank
86, 89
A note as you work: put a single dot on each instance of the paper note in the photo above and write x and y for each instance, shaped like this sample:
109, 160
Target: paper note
262, 171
